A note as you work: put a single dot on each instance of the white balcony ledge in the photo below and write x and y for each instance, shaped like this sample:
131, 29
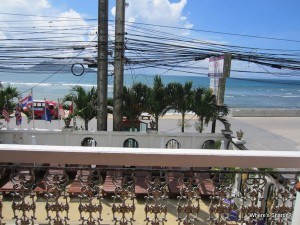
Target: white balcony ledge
148, 156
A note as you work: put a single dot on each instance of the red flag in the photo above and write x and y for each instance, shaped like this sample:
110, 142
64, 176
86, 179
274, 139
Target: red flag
5, 113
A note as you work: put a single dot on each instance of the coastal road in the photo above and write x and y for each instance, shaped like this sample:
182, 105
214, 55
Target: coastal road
261, 133
269, 133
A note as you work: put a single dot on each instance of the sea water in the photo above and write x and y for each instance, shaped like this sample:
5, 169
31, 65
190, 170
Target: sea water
240, 93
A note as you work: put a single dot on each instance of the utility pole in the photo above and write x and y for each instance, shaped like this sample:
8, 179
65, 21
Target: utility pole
102, 65
222, 80
119, 64
222, 85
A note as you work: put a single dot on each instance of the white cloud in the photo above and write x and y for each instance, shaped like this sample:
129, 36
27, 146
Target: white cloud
69, 23
159, 12
26, 6
113, 11
36, 15
156, 11
62, 29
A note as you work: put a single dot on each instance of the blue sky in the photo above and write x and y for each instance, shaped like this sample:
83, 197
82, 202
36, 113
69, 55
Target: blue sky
270, 18
273, 18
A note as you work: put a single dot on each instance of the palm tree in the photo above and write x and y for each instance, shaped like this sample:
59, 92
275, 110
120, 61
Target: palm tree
135, 100
180, 98
158, 104
204, 106
7, 94
85, 102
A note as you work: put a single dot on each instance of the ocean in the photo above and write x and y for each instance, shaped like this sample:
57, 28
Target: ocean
240, 93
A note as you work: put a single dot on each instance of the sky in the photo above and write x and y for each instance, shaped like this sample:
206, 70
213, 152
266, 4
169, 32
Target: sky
267, 18
272, 18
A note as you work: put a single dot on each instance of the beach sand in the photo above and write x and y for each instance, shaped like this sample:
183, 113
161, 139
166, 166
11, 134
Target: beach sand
261, 133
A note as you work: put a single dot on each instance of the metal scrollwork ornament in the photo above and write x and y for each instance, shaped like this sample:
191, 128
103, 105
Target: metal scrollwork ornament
253, 198
156, 204
282, 200
188, 206
57, 206
91, 192
123, 207
222, 202
23, 203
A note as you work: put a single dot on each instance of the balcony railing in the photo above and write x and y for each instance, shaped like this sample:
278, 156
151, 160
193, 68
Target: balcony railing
82, 185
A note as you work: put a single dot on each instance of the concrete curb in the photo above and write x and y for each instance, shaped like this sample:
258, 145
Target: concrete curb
256, 112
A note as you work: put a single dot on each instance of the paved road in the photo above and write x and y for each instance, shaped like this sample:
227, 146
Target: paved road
269, 133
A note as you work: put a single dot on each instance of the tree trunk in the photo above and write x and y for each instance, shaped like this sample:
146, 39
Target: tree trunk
86, 124
201, 125
156, 123
213, 127
182, 122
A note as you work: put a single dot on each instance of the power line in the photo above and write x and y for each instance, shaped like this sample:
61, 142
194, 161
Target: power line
162, 26
219, 32
145, 48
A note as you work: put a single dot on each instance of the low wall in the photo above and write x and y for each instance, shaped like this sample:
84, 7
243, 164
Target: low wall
149, 157
105, 138
256, 112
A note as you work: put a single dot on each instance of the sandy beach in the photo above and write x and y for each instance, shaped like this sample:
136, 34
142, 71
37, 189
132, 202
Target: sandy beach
261, 133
